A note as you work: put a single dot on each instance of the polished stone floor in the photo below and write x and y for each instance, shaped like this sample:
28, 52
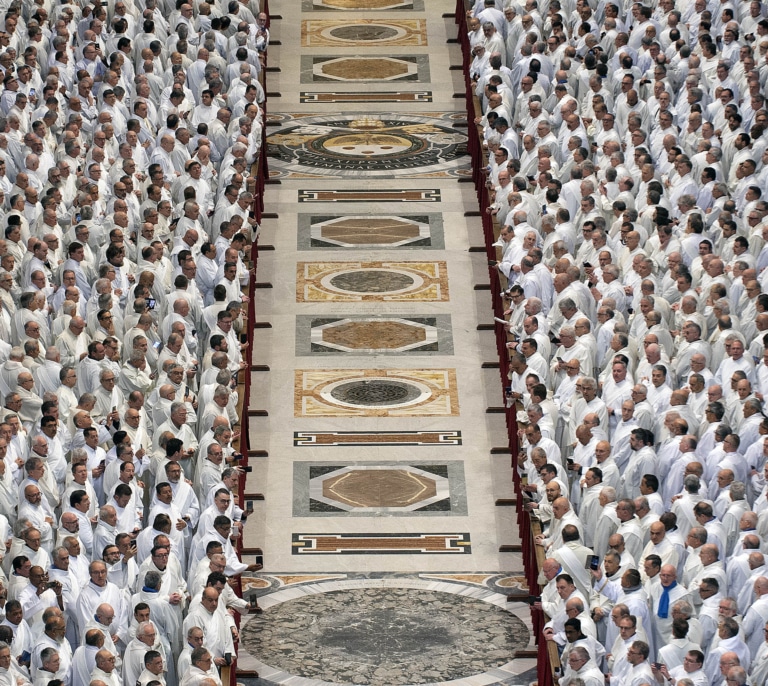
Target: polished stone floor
380, 529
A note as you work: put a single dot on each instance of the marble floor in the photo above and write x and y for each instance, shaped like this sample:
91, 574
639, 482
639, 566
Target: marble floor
379, 526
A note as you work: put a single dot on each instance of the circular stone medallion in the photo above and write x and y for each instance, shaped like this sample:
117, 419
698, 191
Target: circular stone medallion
368, 32
385, 636
371, 281
376, 392
364, 144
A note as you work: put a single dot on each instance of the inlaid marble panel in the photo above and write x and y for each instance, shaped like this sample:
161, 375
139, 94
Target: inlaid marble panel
380, 145
336, 33
312, 439
382, 544
375, 393
381, 488
368, 196
364, 68
370, 231
375, 281
374, 335
369, 96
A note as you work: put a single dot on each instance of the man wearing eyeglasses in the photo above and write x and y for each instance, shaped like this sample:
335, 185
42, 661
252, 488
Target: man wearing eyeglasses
690, 669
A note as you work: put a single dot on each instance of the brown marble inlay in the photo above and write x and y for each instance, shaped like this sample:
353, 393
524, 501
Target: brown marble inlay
353, 68
379, 488
364, 231
376, 335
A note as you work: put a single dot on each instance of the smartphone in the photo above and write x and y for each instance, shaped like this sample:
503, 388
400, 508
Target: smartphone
31, 92
156, 345
533, 599
259, 559
592, 562
569, 461
103, 463
151, 302
657, 665
133, 544
77, 217
588, 265
560, 359
228, 658
114, 408
51, 584
25, 657
249, 506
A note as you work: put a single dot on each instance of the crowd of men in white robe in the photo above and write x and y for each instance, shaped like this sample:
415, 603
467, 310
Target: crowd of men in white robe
129, 135
627, 148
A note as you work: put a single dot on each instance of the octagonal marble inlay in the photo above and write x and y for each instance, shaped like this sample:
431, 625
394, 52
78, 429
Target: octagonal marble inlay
353, 334
369, 231
382, 488
370, 334
364, 68
368, 488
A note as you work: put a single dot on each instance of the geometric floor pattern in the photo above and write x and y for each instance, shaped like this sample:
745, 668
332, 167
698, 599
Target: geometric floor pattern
364, 489
354, 334
382, 544
354, 145
375, 393
316, 439
341, 34
357, 69
371, 232
383, 281
382, 560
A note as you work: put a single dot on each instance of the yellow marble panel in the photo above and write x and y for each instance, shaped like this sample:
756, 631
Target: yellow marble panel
375, 393
375, 281
375, 32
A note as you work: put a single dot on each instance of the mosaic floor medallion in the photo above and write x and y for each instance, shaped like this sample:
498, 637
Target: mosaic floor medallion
380, 489
362, 5
386, 636
371, 231
375, 335
353, 145
371, 281
376, 32
375, 393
